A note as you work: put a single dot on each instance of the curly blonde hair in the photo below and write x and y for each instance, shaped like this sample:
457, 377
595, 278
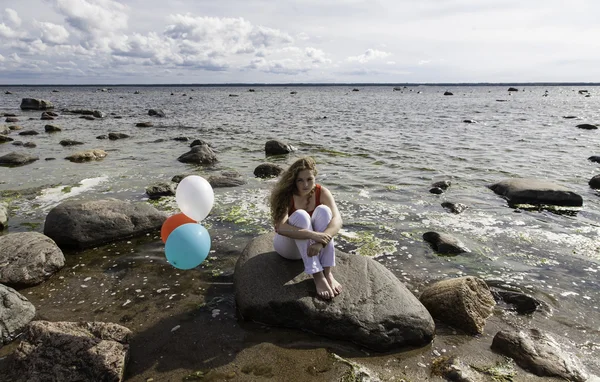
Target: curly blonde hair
286, 187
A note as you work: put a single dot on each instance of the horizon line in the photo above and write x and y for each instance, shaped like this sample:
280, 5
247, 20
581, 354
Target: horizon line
239, 84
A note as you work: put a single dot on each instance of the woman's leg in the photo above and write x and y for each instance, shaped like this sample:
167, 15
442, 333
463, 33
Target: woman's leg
320, 220
312, 265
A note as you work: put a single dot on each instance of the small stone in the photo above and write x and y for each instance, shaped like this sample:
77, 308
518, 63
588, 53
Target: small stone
175, 328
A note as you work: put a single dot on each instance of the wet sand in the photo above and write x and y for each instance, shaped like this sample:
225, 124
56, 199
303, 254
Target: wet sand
185, 327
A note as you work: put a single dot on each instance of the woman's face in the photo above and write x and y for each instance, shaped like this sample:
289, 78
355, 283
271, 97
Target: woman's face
305, 181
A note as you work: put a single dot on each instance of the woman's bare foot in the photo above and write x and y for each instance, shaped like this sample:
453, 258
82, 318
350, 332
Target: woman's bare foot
335, 286
323, 289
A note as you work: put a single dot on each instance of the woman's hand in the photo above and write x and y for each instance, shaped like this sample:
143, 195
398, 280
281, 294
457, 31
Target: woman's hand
321, 237
314, 249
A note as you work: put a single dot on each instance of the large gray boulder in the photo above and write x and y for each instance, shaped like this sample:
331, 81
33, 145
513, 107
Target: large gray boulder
15, 313
35, 104
463, 302
17, 159
28, 258
71, 351
375, 309
3, 216
536, 192
83, 224
201, 154
538, 352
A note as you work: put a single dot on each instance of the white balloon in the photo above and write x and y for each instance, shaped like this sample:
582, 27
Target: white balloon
195, 197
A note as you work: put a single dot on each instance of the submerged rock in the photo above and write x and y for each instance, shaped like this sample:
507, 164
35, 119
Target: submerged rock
52, 129
29, 132
539, 353
268, 170
587, 126
86, 156
156, 113
444, 243
464, 303
15, 313
5, 138
115, 136
35, 104
28, 258
17, 159
536, 192
522, 303
443, 184
71, 351
225, 181
375, 310
201, 154
275, 147
454, 369
69, 142
456, 208
159, 190
595, 182
83, 224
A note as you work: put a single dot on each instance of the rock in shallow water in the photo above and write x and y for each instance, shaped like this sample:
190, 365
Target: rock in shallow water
444, 243
83, 224
536, 192
16, 159
375, 310
538, 352
464, 302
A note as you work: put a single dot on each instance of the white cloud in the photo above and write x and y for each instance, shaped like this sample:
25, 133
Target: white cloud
100, 21
52, 33
369, 55
12, 18
317, 55
2, 59
7, 32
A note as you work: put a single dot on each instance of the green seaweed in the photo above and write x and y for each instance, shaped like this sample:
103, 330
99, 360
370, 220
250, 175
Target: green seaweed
367, 244
66, 189
31, 225
500, 372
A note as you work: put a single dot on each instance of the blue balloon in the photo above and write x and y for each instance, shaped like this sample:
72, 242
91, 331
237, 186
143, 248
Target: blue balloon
187, 246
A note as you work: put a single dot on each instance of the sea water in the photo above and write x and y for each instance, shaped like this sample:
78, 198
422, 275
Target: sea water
378, 151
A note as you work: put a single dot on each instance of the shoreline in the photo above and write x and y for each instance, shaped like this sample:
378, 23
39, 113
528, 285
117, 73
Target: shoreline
185, 326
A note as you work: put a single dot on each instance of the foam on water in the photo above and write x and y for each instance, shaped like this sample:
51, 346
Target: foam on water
51, 197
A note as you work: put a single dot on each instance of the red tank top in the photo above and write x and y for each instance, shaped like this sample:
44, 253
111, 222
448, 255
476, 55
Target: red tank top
317, 201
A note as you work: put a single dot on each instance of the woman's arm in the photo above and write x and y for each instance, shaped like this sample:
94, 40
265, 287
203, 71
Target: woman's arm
285, 229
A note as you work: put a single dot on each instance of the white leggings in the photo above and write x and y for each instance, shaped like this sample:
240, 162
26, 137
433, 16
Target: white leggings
295, 249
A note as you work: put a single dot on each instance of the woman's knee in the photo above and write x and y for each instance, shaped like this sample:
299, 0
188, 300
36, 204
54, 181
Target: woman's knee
300, 219
322, 211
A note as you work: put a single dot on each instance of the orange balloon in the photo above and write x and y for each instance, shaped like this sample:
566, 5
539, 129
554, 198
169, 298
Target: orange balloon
173, 222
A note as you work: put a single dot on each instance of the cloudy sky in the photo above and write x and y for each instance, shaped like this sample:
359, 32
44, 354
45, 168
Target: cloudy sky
282, 41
